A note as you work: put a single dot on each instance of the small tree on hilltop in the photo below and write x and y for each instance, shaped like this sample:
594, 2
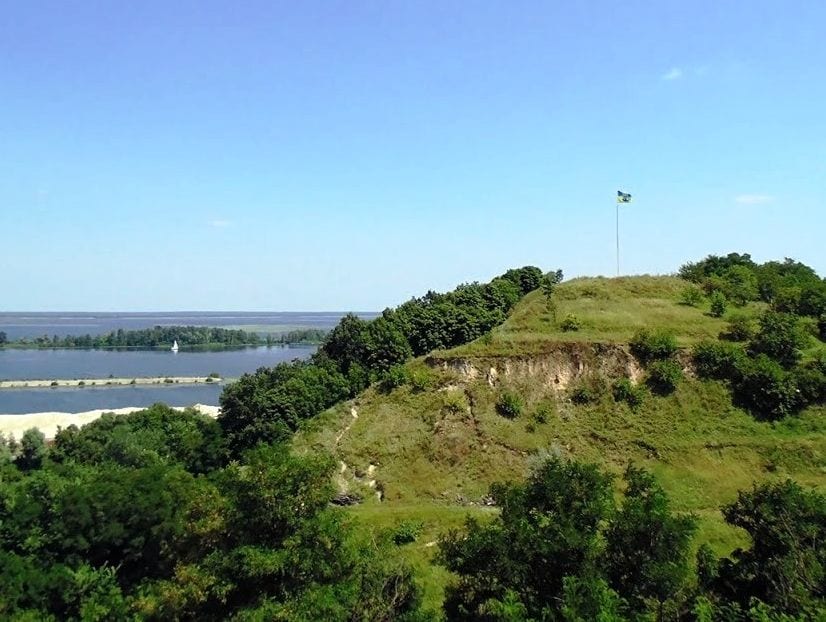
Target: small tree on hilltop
549, 283
32, 449
718, 304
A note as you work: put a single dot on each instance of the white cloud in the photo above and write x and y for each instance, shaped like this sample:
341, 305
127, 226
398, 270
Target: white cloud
753, 199
220, 223
675, 73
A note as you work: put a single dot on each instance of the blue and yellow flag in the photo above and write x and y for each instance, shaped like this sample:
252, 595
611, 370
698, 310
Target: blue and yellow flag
623, 197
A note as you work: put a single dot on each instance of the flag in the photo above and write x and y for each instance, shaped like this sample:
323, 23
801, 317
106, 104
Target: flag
623, 197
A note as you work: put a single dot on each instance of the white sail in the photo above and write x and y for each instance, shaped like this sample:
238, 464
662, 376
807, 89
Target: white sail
175, 345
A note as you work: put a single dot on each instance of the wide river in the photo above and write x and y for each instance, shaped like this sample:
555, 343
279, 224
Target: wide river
71, 364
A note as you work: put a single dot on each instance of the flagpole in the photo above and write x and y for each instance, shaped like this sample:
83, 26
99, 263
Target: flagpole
617, 238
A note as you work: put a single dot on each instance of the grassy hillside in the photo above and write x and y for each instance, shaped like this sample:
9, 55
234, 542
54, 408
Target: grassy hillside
433, 446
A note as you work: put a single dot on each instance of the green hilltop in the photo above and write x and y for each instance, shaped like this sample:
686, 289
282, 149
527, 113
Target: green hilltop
432, 446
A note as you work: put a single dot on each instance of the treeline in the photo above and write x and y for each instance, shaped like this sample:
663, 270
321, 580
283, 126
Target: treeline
268, 405
564, 549
762, 359
304, 336
142, 517
158, 336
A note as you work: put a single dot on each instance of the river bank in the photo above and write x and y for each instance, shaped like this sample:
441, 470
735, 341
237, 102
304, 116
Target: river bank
49, 422
103, 382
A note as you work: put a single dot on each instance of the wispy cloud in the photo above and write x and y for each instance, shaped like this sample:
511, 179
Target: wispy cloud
675, 73
753, 199
220, 223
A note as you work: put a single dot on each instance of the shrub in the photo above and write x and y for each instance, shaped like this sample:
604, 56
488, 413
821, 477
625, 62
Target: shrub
81, 384
811, 384
656, 345
740, 328
571, 323
718, 360
542, 413
407, 532
766, 389
588, 390
691, 296
454, 402
395, 377
53, 383
509, 405
718, 304
664, 376
421, 380
780, 338
625, 391
168, 381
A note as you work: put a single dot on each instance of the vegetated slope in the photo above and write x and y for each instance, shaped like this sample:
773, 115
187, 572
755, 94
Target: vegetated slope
486, 411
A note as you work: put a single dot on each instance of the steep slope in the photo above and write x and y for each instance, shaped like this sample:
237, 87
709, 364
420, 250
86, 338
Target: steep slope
433, 446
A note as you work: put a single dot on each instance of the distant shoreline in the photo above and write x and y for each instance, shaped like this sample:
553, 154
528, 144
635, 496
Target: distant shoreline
104, 382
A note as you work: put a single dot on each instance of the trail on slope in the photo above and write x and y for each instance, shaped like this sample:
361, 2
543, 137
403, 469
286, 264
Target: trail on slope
341, 480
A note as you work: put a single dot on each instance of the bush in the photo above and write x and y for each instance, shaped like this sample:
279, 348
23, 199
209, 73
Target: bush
656, 345
571, 323
542, 413
766, 389
624, 391
664, 376
509, 405
780, 338
421, 380
714, 359
454, 402
740, 328
691, 296
395, 377
54, 383
588, 390
718, 304
811, 384
407, 532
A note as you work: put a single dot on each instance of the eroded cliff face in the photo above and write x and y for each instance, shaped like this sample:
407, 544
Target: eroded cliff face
557, 368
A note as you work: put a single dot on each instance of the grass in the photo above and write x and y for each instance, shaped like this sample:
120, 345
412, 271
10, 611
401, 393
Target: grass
438, 444
609, 310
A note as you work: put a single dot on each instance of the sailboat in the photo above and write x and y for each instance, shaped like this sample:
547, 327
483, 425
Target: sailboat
174, 347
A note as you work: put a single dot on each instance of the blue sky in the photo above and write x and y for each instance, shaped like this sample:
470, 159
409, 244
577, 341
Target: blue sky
347, 155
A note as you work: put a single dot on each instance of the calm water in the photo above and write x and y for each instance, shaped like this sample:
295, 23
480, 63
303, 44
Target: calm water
20, 325
69, 364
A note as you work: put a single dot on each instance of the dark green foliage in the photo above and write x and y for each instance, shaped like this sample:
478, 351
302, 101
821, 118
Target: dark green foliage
718, 304
92, 539
765, 388
548, 530
718, 360
811, 383
623, 390
664, 376
589, 390
3, 338
268, 405
559, 552
779, 338
714, 265
647, 552
740, 328
528, 278
786, 564
159, 336
656, 345
509, 405
33, 449
140, 439
395, 377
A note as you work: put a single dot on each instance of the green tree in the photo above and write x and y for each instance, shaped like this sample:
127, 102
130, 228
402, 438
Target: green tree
33, 449
785, 567
548, 284
647, 552
718, 304
547, 530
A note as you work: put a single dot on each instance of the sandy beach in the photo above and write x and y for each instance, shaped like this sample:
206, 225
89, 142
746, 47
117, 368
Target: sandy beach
48, 422
103, 382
